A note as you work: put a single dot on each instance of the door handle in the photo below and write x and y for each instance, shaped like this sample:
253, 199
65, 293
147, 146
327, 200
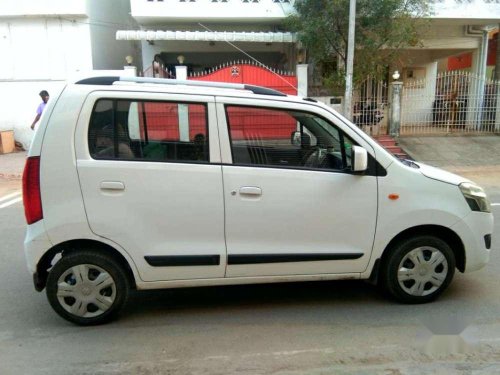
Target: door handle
250, 190
112, 185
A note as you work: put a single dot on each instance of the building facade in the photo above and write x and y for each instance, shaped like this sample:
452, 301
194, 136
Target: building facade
206, 33
44, 43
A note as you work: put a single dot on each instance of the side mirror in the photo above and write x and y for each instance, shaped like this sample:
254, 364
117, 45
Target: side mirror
359, 159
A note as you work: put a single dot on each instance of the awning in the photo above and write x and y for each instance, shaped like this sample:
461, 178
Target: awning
208, 36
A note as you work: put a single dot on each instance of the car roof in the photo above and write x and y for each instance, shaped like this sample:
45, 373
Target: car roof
146, 84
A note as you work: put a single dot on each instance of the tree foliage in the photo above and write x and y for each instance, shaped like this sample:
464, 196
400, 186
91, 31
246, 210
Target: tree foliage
383, 29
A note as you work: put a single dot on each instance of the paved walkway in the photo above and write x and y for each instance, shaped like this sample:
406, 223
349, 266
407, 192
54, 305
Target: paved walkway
12, 165
454, 151
474, 157
11, 170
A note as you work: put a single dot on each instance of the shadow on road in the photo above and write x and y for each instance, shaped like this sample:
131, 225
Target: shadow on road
329, 302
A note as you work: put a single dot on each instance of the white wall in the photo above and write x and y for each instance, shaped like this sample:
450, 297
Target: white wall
43, 48
418, 99
55, 43
105, 18
42, 7
206, 10
19, 101
471, 9
37, 54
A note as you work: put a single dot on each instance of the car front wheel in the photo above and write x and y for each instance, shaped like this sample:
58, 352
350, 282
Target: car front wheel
418, 269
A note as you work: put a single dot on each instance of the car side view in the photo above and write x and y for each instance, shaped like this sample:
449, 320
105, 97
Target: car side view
144, 183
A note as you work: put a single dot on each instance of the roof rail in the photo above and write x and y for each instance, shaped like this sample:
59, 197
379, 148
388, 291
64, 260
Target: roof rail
109, 80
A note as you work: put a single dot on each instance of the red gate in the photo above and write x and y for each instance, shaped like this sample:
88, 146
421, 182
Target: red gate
251, 74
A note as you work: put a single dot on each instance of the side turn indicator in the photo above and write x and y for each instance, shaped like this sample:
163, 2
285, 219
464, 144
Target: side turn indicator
393, 197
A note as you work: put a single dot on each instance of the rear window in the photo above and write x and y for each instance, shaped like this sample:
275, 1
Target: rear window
149, 131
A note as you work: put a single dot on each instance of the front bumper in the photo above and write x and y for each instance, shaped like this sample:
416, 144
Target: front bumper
472, 229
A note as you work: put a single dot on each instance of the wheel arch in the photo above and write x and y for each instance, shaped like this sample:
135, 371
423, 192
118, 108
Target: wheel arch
443, 233
72, 246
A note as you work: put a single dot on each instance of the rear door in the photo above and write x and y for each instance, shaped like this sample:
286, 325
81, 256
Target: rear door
151, 179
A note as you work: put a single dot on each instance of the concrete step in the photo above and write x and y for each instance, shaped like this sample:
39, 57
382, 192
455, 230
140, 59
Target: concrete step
386, 142
393, 149
384, 138
389, 143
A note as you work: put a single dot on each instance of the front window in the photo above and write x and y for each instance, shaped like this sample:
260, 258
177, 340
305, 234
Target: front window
286, 138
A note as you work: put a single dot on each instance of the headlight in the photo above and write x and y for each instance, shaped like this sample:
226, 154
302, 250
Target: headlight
475, 197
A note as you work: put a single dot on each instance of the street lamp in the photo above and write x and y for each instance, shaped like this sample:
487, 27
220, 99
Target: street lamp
396, 75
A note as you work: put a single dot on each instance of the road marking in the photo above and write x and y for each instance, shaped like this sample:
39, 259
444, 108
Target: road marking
11, 202
495, 204
8, 196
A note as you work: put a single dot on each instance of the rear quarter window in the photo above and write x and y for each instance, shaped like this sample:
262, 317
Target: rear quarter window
149, 131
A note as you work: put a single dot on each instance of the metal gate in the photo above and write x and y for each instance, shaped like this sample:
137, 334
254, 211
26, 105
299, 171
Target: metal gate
370, 109
250, 73
456, 102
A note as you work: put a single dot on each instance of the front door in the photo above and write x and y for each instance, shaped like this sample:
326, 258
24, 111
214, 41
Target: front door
293, 206
151, 181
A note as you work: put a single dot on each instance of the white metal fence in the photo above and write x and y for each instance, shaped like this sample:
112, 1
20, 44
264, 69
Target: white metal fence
456, 102
370, 110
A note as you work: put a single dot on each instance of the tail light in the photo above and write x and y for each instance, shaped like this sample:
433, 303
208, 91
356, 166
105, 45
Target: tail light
31, 190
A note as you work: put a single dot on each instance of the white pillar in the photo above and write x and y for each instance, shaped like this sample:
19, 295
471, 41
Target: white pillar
476, 89
183, 113
302, 84
181, 72
482, 78
395, 114
496, 93
497, 83
431, 71
130, 71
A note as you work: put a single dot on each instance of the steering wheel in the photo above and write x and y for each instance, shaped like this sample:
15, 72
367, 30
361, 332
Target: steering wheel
317, 158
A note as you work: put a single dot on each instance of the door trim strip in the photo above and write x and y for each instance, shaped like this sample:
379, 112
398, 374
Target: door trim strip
182, 260
288, 258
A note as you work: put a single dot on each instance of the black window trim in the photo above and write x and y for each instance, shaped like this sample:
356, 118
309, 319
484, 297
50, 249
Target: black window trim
374, 167
114, 101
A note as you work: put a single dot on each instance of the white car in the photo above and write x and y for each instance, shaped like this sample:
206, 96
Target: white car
150, 183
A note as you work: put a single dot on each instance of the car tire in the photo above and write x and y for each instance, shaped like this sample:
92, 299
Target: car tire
87, 287
418, 269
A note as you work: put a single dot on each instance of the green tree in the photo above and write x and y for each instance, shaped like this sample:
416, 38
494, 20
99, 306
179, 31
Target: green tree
383, 29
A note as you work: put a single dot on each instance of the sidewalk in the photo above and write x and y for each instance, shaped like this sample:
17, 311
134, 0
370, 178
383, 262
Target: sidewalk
474, 157
454, 151
12, 165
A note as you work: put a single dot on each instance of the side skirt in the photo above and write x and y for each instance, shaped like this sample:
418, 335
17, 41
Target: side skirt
244, 280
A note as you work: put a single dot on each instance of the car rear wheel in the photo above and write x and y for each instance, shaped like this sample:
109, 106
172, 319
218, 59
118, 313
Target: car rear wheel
418, 269
87, 288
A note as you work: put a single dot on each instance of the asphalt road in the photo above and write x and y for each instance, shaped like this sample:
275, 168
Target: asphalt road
313, 328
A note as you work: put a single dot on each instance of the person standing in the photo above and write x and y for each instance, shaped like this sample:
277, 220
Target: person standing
45, 97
